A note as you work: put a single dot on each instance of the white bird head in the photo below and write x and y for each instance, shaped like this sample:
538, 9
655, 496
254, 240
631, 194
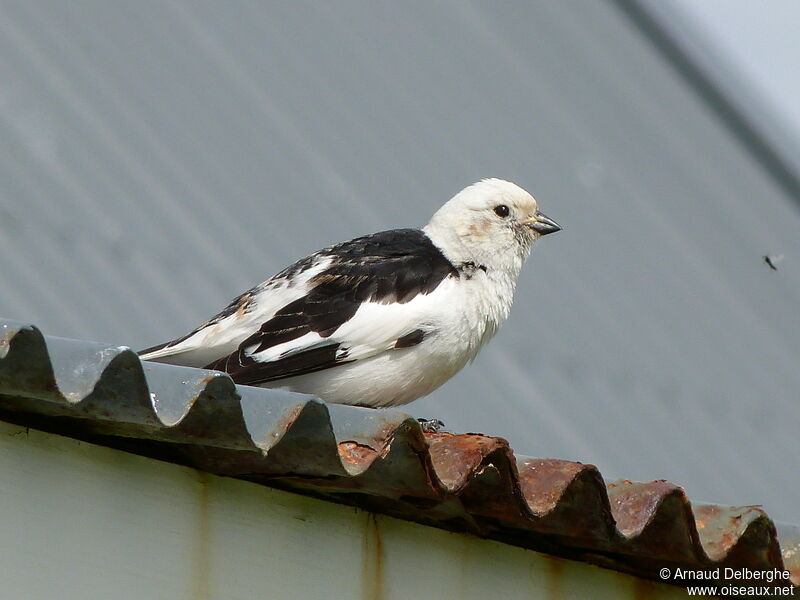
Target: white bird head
492, 222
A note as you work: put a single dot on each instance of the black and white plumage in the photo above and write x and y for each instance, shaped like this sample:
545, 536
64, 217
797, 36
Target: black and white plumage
383, 319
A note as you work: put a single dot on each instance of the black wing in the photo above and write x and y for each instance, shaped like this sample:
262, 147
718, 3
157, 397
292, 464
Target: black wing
387, 267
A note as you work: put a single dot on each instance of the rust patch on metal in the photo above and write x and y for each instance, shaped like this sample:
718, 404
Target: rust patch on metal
635, 504
356, 454
288, 418
386, 433
544, 481
567, 499
727, 530
457, 457
554, 585
372, 561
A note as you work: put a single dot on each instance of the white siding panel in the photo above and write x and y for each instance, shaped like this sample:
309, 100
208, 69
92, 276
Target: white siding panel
82, 522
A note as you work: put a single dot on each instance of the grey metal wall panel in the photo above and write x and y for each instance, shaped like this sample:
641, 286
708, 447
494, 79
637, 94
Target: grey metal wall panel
158, 158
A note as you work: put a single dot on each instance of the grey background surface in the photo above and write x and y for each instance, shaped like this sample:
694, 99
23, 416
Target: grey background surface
758, 39
158, 158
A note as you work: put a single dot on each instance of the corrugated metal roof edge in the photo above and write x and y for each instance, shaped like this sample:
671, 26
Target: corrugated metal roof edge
379, 460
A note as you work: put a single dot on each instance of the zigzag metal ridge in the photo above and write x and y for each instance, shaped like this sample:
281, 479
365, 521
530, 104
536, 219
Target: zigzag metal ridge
379, 460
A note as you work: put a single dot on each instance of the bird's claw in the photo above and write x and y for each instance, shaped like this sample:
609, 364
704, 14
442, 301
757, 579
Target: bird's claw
431, 425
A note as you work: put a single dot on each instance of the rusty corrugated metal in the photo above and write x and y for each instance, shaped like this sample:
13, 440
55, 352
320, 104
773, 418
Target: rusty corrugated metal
376, 459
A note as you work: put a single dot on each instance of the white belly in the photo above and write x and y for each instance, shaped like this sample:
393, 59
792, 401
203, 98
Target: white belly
465, 320
389, 379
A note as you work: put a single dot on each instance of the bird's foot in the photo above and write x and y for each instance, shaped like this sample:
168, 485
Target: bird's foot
431, 425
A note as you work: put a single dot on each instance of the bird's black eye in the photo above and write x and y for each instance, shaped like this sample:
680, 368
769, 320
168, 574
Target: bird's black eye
501, 210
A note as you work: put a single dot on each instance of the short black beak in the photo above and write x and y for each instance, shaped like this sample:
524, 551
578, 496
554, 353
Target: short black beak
544, 225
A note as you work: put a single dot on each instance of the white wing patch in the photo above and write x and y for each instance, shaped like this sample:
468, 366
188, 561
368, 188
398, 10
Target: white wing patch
375, 328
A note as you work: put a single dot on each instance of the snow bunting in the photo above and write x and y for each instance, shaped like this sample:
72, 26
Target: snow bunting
383, 319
